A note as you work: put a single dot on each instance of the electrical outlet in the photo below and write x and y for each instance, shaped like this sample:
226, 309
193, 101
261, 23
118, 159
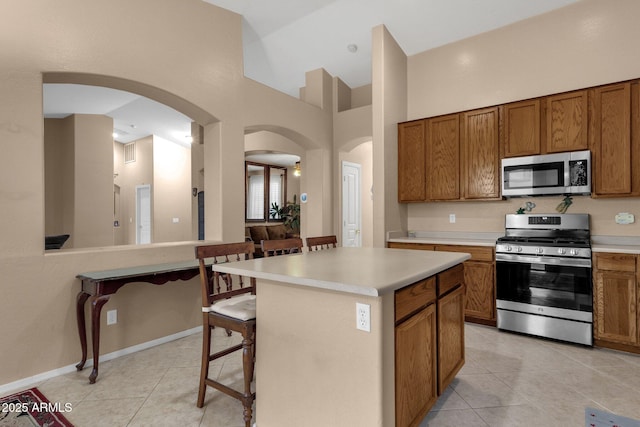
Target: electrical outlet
363, 317
452, 218
112, 317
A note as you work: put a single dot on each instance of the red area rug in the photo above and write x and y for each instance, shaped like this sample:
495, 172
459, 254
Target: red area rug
30, 408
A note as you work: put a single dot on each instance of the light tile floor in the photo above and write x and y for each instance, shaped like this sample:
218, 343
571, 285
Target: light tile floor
508, 380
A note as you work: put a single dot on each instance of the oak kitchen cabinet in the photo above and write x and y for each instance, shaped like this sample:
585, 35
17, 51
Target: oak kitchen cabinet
429, 348
411, 161
479, 278
452, 157
480, 154
566, 120
520, 128
614, 140
615, 290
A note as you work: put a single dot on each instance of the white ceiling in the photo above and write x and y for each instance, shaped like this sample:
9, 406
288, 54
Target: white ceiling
283, 39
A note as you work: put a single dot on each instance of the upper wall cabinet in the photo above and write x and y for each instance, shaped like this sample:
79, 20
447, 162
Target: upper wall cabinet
566, 116
480, 154
520, 128
443, 157
411, 161
614, 139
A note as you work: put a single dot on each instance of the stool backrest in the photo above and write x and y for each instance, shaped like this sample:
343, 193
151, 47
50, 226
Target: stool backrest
281, 246
210, 281
321, 242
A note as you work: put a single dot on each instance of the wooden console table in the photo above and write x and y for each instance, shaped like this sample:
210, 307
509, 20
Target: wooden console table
100, 285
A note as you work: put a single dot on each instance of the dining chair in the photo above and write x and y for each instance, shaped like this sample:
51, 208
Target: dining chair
229, 302
321, 242
281, 246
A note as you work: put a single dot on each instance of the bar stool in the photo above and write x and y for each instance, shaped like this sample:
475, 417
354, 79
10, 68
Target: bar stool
230, 303
281, 246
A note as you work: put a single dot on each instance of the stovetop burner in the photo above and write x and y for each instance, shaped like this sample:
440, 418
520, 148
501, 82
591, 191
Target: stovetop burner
546, 241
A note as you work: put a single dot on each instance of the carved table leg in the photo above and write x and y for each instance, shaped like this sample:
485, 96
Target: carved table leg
82, 329
96, 309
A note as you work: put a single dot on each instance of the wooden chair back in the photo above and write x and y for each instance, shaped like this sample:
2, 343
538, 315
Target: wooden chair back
321, 242
210, 281
281, 246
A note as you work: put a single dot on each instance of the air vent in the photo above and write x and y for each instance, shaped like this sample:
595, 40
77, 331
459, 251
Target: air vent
130, 152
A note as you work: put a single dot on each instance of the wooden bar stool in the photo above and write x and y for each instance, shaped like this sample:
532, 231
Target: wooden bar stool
281, 246
229, 302
321, 242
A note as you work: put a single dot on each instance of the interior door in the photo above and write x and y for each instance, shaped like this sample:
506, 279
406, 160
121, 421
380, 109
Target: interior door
143, 214
351, 214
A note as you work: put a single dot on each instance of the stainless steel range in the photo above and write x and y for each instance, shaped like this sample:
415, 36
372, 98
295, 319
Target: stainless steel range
543, 277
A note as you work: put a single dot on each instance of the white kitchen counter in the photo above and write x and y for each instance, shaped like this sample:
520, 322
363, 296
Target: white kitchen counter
361, 271
445, 238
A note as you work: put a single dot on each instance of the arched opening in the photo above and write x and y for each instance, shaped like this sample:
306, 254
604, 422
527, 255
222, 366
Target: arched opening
105, 138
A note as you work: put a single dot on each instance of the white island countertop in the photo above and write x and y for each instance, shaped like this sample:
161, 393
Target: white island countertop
362, 271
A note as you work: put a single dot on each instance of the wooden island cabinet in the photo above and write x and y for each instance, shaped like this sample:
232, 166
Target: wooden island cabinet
429, 337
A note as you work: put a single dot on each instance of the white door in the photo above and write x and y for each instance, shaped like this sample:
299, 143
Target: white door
143, 214
351, 217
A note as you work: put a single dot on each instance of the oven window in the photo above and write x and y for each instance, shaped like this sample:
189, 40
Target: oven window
535, 175
545, 285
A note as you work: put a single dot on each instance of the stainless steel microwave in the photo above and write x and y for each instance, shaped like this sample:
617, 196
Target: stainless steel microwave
547, 174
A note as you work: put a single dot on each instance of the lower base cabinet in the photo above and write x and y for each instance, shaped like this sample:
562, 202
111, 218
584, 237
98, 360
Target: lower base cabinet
616, 296
429, 342
479, 278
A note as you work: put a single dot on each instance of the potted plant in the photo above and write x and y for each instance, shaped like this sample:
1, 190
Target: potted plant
290, 213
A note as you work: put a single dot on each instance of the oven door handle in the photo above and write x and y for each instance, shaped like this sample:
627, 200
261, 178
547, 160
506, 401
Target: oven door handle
544, 260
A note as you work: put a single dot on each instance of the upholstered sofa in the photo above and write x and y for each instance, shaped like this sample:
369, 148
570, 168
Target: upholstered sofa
258, 233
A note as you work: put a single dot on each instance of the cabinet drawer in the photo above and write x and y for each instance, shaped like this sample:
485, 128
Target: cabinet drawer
420, 246
450, 278
414, 297
478, 253
616, 262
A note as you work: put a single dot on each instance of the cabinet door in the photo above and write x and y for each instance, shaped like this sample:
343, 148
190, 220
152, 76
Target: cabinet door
479, 278
481, 154
416, 383
567, 122
615, 295
450, 336
411, 161
443, 158
521, 128
610, 139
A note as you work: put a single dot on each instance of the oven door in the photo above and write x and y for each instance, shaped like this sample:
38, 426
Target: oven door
554, 282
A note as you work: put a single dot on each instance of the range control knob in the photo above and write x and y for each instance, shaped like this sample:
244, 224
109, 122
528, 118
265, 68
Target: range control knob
519, 248
562, 251
508, 248
539, 250
573, 252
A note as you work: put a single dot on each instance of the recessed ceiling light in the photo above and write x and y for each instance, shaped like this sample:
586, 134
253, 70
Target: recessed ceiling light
353, 48
114, 134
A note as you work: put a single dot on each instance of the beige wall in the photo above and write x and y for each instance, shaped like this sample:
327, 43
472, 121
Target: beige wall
39, 290
171, 191
389, 106
582, 45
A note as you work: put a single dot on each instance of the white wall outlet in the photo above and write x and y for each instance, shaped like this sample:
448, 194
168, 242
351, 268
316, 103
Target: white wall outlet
176, 220
112, 317
452, 218
363, 317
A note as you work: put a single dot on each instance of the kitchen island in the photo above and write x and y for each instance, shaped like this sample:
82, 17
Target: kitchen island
314, 367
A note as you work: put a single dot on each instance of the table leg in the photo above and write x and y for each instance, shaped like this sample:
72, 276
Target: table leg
82, 329
96, 309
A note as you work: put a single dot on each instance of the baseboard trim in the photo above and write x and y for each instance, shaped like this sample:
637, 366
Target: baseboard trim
34, 380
